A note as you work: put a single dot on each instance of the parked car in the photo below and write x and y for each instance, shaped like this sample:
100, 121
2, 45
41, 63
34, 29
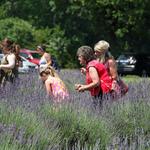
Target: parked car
132, 63
27, 66
32, 56
1, 56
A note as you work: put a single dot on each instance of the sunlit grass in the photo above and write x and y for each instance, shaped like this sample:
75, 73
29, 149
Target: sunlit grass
133, 78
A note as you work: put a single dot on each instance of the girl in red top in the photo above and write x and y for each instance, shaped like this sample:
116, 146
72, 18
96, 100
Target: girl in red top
98, 81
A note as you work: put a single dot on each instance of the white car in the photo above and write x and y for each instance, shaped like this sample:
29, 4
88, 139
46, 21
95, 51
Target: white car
26, 67
1, 56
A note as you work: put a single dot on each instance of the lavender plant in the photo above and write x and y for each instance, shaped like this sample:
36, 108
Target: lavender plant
29, 120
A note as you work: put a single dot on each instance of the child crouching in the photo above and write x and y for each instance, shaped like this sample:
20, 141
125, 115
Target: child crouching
54, 85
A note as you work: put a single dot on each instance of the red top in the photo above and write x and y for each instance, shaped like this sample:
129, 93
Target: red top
105, 79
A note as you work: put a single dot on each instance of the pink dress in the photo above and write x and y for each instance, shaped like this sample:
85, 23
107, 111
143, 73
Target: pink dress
59, 90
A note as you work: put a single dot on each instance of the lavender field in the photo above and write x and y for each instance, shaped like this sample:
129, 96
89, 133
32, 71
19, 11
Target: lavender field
29, 120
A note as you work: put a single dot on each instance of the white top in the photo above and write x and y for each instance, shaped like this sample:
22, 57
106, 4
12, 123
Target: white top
11, 61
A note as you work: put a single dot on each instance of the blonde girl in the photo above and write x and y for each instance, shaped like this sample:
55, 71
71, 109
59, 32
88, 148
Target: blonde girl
54, 85
103, 55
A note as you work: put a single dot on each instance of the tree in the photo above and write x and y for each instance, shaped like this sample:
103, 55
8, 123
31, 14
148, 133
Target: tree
18, 30
124, 24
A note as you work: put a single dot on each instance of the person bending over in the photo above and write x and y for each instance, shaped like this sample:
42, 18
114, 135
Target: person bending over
54, 85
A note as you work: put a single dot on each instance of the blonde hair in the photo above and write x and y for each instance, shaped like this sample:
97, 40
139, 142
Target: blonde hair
101, 46
49, 70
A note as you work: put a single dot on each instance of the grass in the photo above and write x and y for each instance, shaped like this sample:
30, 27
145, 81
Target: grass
132, 78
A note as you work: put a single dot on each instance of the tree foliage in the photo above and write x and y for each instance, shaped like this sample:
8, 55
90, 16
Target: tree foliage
18, 30
124, 24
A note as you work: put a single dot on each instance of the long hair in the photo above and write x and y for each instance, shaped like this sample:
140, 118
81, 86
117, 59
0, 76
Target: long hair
9, 45
104, 57
49, 70
103, 47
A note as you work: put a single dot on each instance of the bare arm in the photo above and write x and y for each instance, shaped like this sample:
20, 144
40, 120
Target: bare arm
48, 58
11, 62
95, 80
113, 69
48, 87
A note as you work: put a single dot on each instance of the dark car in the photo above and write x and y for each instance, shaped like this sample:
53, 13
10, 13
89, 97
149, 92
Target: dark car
131, 63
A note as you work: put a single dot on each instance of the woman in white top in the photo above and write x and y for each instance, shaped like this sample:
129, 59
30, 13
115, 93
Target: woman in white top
8, 68
46, 57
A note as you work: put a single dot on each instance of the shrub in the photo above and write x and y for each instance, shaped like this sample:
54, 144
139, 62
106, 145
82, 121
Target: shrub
27, 125
77, 126
17, 30
130, 121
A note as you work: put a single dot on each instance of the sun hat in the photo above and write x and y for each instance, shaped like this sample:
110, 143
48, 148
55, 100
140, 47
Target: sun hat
101, 46
43, 68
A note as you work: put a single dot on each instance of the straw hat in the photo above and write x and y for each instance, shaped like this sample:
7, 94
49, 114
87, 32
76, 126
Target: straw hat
101, 46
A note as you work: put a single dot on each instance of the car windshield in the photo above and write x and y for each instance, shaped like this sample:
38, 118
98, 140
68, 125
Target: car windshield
124, 57
24, 55
36, 55
23, 59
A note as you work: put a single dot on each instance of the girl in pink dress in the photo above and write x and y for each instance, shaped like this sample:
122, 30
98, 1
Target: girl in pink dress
54, 85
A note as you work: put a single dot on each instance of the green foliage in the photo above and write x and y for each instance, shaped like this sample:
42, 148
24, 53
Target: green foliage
30, 123
57, 45
130, 119
18, 30
42, 36
67, 126
3, 11
77, 126
124, 24
55, 41
36, 12
118, 22
6, 144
